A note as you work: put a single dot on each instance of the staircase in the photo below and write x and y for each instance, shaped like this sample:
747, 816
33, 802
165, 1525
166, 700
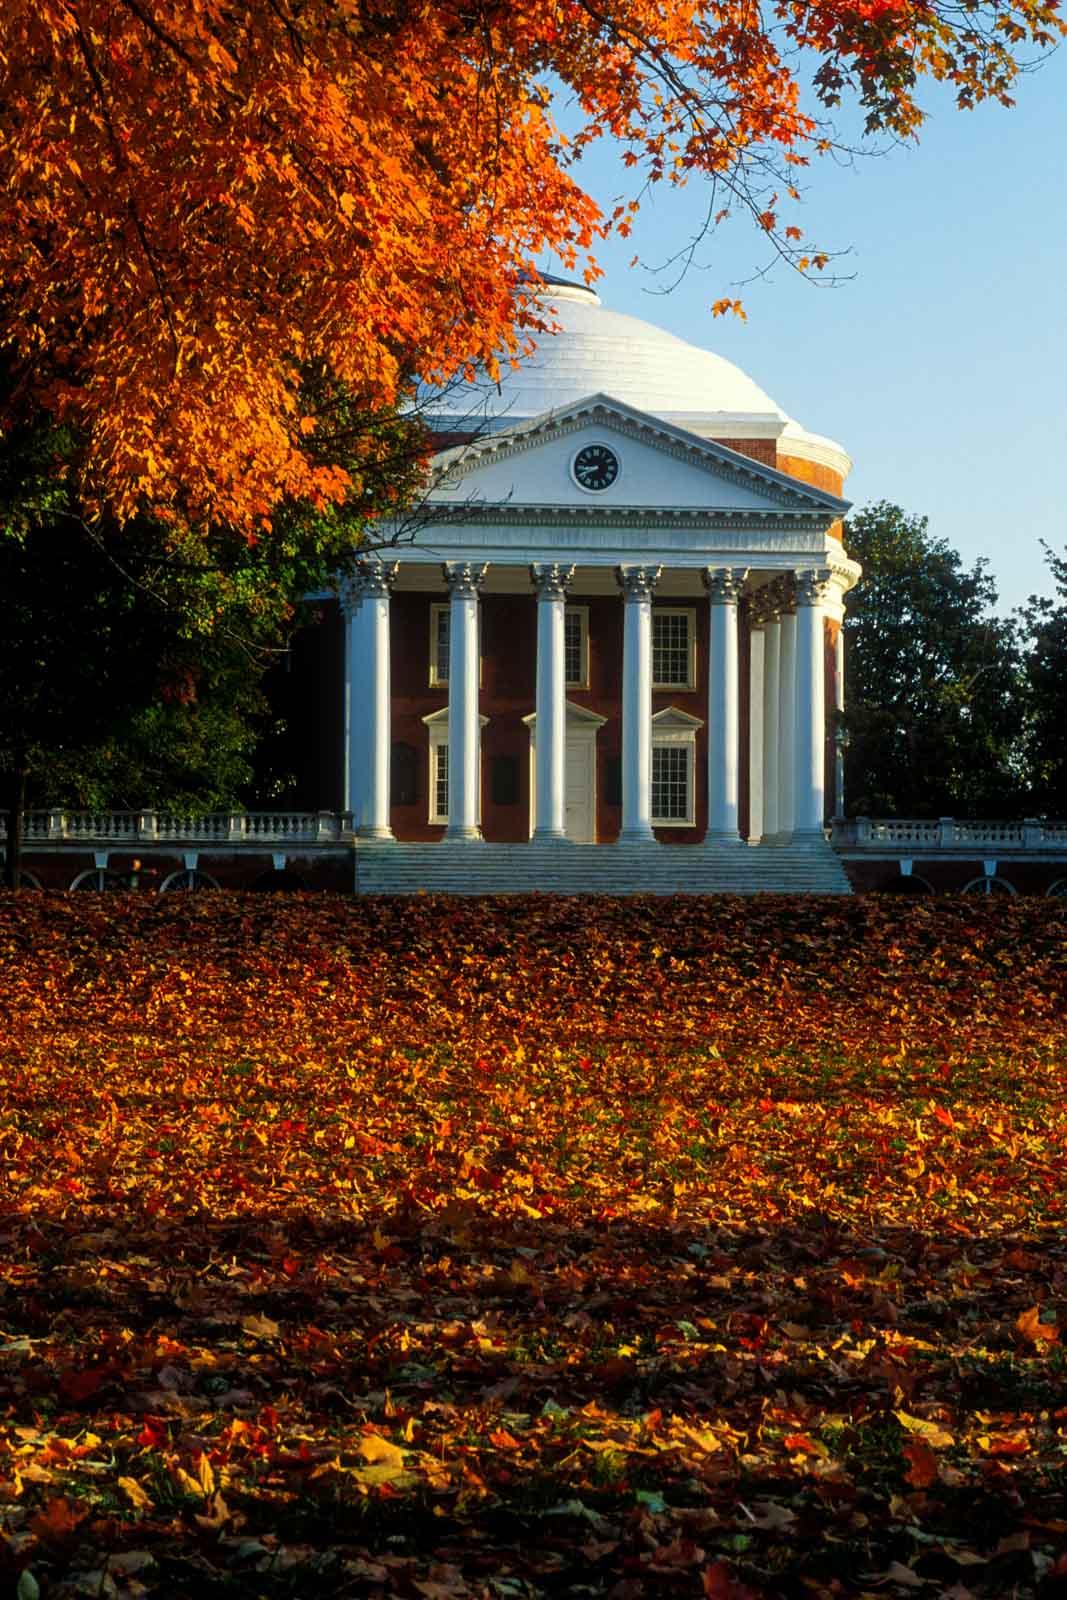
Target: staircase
613, 869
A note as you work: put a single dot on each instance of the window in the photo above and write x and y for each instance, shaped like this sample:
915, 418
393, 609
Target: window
438, 787
440, 644
576, 646
439, 651
674, 750
438, 783
670, 783
673, 649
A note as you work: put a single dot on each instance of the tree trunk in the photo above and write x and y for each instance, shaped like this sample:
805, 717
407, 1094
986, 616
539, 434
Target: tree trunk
16, 801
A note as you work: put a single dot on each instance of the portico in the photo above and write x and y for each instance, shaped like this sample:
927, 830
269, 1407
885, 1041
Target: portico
616, 626
661, 785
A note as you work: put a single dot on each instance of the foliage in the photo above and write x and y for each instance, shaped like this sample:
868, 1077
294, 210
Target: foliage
104, 699
934, 690
450, 1249
131, 660
200, 201
1044, 621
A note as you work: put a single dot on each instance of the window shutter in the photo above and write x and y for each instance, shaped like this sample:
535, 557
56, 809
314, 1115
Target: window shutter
403, 775
504, 786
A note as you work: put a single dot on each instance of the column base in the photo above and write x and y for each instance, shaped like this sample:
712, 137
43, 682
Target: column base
718, 837
637, 836
376, 835
549, 836
463, 836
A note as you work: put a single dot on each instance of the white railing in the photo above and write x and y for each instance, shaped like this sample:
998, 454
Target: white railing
163, 827
222, 829
946, 833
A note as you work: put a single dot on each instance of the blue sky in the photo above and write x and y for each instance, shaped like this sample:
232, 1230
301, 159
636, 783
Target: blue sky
941, 366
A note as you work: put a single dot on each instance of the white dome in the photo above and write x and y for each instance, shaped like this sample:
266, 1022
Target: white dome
597, 351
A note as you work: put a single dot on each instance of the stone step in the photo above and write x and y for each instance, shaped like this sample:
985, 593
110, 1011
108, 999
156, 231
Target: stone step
621, 869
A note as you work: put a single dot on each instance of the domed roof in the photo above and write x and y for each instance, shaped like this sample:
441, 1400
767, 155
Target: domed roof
597, 351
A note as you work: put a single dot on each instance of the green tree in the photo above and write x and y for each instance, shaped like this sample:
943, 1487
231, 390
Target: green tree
1044, 621
132, 658
935, 693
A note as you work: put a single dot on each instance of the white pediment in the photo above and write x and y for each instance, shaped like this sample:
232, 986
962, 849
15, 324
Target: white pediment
657, 466
580, 719
674, 720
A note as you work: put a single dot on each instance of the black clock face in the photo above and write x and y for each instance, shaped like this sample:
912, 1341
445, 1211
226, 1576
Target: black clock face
595, 467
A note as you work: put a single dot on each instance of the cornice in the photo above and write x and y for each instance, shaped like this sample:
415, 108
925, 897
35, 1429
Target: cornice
558, 516
845, 572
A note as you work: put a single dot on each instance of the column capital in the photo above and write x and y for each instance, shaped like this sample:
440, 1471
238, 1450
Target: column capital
376, 579
724, 584
464, 579
637, 583
551, 582
812, 585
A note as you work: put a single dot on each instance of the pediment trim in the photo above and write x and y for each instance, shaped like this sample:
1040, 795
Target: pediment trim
675, 717
601, 410
578, 716
437, 719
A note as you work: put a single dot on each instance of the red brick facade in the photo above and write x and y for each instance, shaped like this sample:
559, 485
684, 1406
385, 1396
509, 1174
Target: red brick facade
509, 654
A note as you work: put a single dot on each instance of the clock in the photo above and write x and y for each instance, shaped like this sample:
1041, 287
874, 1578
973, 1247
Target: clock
595, 467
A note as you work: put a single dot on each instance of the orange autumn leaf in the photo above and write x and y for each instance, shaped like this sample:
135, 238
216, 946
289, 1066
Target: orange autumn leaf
1004, 1444
501, 1439
801, 1443
58, 1521
1030, 1326
922, 1463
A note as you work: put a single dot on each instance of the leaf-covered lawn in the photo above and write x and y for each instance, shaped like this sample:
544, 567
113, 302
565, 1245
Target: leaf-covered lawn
534, 1247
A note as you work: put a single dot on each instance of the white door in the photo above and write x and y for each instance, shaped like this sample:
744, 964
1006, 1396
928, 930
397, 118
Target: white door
579, 794
580, 803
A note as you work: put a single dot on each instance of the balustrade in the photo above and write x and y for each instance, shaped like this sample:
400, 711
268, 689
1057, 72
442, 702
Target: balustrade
964, 836
41, 828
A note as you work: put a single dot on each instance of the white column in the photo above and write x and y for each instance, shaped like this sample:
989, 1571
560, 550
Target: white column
372, 651
550, 737
812, 588
787, 721
355, 705
638, 585
839, 701
772, 663
724, 588
464, 727
755, 726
